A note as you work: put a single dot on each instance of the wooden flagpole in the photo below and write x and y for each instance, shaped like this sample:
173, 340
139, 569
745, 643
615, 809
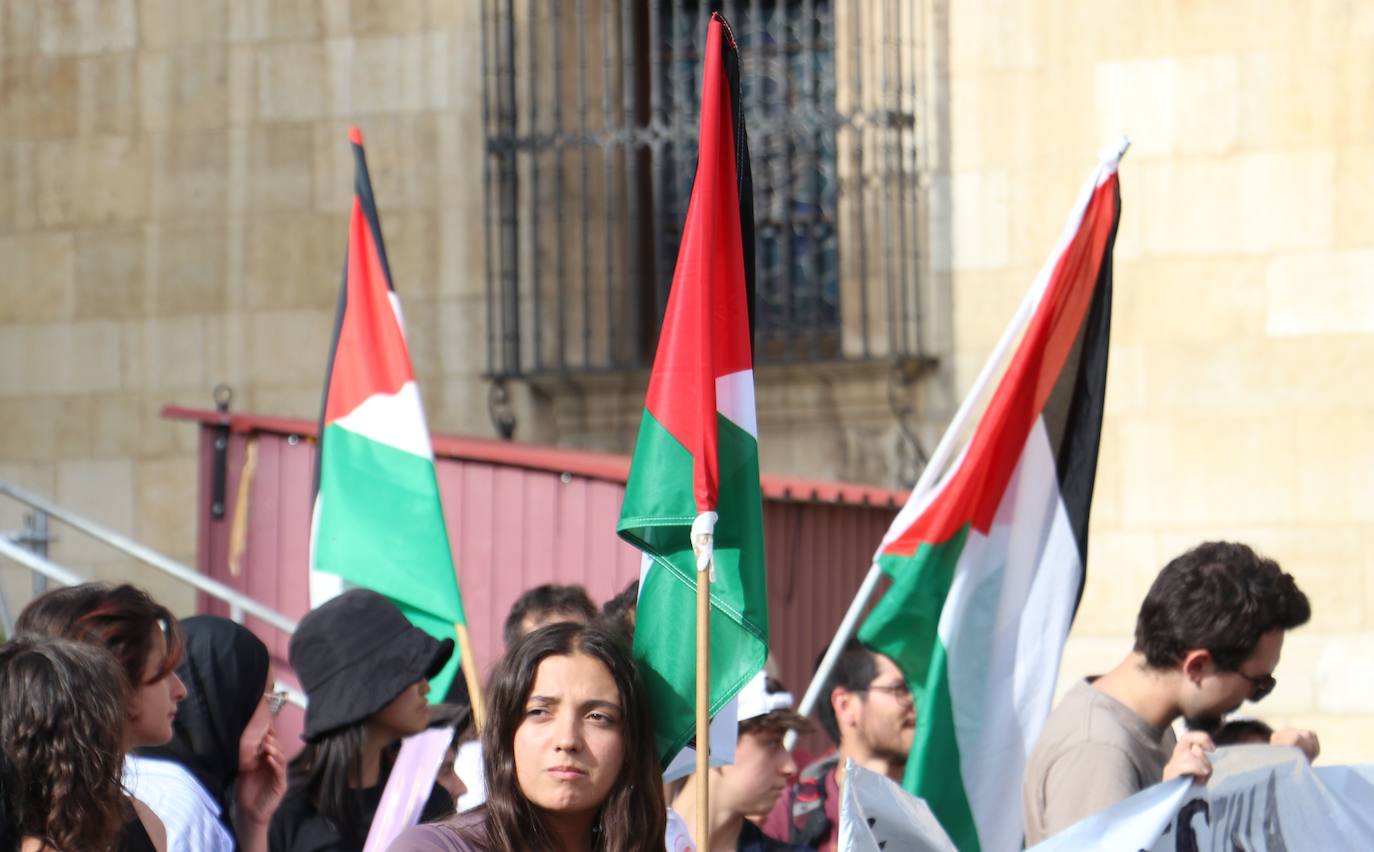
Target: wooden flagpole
469, 663
703, 546
703, 770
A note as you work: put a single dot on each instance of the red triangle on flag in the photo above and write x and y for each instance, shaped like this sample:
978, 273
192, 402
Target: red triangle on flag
706, 325
370, 355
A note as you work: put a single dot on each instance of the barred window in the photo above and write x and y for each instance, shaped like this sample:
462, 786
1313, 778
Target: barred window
591, 111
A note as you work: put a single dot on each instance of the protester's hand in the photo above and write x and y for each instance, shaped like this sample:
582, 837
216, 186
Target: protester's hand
261, 788
1300, 739
1190, 757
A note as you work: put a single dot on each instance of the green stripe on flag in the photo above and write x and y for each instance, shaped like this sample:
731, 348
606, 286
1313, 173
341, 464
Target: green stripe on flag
658, 512
381, 526
935, 772
904, 625
659, 504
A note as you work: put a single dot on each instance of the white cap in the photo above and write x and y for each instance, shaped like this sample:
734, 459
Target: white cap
755, 699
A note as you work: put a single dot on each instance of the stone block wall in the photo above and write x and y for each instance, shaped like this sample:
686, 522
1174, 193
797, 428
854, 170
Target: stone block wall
1242, 322
175, 180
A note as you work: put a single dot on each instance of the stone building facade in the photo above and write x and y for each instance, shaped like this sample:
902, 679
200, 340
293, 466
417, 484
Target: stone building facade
175, 179
1242, 316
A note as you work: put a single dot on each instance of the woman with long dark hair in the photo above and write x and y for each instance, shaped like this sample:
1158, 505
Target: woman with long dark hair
145, 640
9, 786
220, 779
569, 754
366, 671
62, 714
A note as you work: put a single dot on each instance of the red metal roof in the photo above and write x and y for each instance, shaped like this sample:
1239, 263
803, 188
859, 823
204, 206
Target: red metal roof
586, 463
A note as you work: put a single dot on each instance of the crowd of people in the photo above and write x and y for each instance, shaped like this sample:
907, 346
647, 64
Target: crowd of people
124, 728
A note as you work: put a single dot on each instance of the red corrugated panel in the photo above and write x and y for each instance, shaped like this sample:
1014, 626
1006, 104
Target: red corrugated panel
278, 502
514, 526
607, 466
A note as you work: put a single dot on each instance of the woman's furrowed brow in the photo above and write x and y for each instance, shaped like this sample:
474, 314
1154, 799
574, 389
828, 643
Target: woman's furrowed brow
589, 704
599, 704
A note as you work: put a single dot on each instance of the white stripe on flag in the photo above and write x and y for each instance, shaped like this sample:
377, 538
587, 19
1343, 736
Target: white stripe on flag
397, 420
322, 586
1004, 624
735, 400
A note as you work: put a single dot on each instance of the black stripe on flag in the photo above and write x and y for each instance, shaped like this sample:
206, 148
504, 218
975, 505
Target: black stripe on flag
362, 188
744, 174
1073, 412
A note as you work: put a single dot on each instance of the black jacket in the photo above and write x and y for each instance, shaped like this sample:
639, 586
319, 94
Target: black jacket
296, 827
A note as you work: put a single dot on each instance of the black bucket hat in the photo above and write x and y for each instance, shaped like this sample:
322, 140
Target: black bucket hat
354, 654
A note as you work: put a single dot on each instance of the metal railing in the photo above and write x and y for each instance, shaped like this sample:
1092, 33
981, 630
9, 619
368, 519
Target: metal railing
240, 605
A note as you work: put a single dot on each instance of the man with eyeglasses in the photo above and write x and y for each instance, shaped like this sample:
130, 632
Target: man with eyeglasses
1207, 639
870, 715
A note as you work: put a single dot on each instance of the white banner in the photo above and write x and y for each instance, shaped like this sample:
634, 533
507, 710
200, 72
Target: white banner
1259, 798
877, 814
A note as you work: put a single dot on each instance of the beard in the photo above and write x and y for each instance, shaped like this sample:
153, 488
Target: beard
894, 747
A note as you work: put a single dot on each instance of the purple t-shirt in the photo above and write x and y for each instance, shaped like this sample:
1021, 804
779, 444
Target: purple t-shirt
465, 832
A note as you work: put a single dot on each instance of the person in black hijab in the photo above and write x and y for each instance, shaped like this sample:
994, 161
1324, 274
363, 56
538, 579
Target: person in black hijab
223, 775
366, 671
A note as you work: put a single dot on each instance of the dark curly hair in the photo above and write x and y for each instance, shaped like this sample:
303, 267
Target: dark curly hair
854, 670
634, 817
1222, 597
61, 722
122, 618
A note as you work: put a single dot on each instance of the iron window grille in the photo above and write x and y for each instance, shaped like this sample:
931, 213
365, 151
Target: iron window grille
591, 110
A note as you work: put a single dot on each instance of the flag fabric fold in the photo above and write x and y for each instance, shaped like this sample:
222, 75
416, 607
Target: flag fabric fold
877, 815
987, 567
378, 521
697, 447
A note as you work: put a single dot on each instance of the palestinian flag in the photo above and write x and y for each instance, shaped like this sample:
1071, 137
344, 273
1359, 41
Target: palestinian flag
378, 522
697, 449
987, 567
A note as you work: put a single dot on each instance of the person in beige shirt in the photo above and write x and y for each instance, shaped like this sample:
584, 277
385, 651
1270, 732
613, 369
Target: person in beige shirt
1207, 639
